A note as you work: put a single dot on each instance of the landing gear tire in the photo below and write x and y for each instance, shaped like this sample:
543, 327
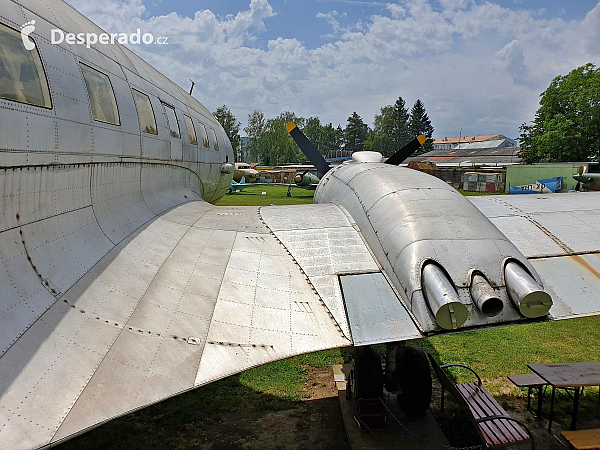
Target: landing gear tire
415, 381
366, 377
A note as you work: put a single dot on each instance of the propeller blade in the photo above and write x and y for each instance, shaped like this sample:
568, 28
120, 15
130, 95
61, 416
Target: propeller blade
406, 151
307, 148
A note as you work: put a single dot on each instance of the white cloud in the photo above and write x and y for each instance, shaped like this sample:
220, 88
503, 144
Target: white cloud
476, 66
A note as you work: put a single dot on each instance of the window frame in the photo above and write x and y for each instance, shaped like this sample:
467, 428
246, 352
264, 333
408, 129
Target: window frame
43, 71
112, 89
189, 121
151, 109
166, 105
204, 133
216, 139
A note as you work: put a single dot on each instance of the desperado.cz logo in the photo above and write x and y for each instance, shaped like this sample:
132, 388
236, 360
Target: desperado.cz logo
88, 39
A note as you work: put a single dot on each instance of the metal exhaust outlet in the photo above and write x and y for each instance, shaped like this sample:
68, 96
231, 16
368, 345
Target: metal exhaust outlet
442, 298
527, 295
485, 297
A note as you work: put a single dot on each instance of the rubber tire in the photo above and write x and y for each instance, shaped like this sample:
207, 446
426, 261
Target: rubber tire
368, 376
415, 380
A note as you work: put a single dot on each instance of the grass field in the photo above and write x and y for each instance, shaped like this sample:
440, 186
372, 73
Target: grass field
493, 353
275, 194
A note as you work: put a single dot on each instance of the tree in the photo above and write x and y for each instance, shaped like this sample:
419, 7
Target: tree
381, 139
276, 145
567, 124
419, 123
355, 133
232, 127
255, 129
401, 134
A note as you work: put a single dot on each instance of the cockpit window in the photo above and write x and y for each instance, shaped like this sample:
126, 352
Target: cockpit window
22, 77
102, 96
145, 111
173, 124
214, 138
190, 129
205, 142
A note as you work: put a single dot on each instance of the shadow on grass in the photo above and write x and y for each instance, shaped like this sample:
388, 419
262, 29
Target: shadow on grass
224, 414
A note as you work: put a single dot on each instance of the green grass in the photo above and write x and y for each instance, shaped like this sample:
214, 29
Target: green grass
476, 194
276, 195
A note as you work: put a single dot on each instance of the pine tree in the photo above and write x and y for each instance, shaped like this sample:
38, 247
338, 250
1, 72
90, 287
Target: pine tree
401, 135
419, 123
355, 133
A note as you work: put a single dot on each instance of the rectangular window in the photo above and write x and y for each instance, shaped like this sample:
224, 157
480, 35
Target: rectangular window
190, 129
214, 137
146, 112
22, 77
205, 142
102, 96
173, 124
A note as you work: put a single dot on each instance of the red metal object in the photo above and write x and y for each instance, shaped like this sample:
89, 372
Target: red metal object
371, 414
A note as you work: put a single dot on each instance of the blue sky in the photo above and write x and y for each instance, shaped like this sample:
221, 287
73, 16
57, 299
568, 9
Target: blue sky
476, 65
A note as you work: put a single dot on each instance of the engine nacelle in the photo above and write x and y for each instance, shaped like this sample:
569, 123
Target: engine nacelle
441, 253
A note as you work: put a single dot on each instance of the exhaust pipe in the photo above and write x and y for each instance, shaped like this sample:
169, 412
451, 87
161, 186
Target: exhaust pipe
442, 298
526, 294
484, 296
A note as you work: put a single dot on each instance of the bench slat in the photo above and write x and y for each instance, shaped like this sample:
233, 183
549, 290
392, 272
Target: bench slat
482, 405
515, 432
489, 432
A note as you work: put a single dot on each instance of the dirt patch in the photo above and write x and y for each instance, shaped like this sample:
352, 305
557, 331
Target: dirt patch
314, 423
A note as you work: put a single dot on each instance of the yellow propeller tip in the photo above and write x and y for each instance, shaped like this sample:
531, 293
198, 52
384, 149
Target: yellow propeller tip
421, 139
290, 126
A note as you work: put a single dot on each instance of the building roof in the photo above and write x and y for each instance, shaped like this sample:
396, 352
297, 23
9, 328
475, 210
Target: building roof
456, 140
481, 144
481, 156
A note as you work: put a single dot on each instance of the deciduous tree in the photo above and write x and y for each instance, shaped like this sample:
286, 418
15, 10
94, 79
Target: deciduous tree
232, 127
567, 124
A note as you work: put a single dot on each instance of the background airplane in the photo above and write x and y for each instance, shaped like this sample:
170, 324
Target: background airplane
587, 181
121, 280
243, 170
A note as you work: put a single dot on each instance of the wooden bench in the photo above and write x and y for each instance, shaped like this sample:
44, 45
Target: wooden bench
496, 427
531, 381
583, 439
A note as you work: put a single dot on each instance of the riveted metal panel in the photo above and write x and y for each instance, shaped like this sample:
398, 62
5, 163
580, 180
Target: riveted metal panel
107, 140
264, 311
573, 282
530, 239
118, 203
555, 224
324, 243
375, 313
58, 354
166, 186
35, 193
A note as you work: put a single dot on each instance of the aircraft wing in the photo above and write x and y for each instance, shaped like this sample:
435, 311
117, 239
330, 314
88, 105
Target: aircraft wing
193, 295
560, 235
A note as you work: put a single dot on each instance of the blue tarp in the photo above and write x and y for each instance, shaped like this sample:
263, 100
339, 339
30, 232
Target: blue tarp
552, 184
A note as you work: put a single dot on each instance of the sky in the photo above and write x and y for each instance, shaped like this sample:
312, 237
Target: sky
479, 66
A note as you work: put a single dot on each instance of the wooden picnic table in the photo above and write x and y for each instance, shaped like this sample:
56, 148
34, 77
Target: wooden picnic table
568, 375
